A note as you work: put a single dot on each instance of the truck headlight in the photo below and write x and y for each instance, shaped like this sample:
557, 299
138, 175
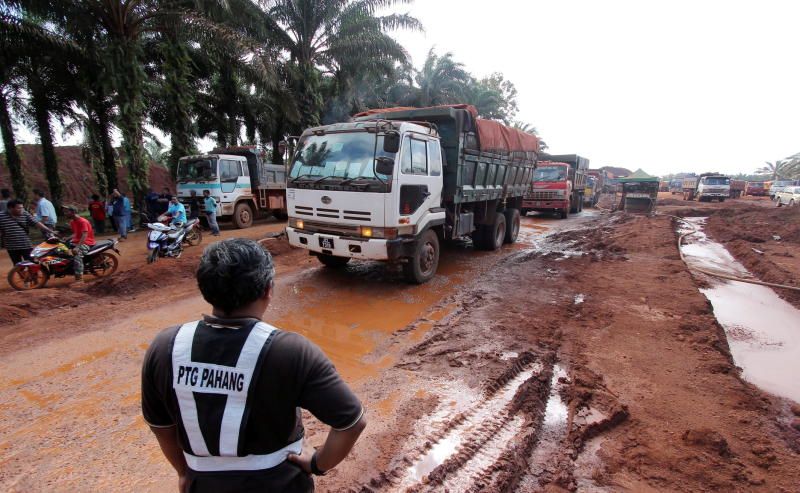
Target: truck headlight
296, 223
385, 233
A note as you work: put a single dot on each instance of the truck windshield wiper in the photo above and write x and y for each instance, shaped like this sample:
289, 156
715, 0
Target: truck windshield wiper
325, 178
349, 180
302, 176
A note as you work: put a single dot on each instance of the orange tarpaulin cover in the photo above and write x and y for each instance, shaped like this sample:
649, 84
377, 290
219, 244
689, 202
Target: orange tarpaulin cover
493, 136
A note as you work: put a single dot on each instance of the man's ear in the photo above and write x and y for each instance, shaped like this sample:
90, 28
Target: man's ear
268, 293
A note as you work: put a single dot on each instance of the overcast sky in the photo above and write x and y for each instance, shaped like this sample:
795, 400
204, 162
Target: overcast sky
666, 86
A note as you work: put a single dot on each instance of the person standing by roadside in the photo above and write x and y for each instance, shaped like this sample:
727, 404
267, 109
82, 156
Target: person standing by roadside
5, 196
128, 219
211, 212
118, 213
14, 230
97, 210
164, 199
82, 239
222, 394
194, 205
45, 211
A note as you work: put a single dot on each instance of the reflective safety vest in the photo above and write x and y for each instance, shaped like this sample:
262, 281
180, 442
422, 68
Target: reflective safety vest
191, 377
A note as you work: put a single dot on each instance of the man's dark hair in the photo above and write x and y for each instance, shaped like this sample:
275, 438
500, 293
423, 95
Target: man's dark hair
234, 273
38, 192
5, 193
13, 203
95, 197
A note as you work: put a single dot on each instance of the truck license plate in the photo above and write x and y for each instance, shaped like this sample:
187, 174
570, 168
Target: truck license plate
326, 243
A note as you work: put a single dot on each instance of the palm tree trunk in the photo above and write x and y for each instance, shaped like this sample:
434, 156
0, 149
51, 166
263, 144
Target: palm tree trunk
109, 159
13, 160
177, 70
129, 77
42, 117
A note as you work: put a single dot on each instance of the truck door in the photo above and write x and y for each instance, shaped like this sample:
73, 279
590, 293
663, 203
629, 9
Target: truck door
420, 180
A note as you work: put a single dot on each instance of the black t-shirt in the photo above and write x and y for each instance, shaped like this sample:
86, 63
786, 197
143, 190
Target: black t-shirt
294, 374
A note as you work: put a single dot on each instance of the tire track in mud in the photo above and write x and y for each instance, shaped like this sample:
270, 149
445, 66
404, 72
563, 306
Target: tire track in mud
481, 446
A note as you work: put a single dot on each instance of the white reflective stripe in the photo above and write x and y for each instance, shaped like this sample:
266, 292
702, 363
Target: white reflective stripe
246, 463
234, 407
182, 353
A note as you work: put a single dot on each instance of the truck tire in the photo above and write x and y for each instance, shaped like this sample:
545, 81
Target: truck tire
243, 215
512, 225
331, 261
422, 266
722, 199
564, 213
523, 212
491, 237
573, 207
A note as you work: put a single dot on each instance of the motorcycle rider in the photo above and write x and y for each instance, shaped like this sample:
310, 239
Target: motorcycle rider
82, 239
177, 211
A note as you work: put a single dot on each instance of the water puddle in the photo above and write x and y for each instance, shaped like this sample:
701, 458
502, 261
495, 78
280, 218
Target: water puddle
763, 330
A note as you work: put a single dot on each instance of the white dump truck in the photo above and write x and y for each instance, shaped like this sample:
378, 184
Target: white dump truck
707, 187
243, 183
392, 184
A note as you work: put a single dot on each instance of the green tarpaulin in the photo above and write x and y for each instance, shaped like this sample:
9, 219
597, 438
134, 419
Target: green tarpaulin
638, 176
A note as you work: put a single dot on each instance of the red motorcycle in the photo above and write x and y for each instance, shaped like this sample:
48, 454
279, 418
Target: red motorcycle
54, 258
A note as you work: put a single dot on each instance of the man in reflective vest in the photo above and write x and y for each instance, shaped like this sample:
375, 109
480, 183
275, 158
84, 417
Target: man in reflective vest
223, 394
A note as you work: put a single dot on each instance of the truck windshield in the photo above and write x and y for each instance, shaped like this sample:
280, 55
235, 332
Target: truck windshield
197, 170
716, 180
549, 174
755, 185
334, 158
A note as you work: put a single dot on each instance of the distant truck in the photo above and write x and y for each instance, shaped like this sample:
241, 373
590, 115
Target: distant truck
737, 188
676, 187
756, 188
707, 187
595, 186
558, 185
393, 183
243, 183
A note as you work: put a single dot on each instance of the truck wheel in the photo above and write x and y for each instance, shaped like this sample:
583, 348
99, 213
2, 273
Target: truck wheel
573, 207
722, 199
523, 212
422, 266
564, 213
512, 225
243, 215
331, 261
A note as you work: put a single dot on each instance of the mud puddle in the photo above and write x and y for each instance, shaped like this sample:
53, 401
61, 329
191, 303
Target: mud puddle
763, 330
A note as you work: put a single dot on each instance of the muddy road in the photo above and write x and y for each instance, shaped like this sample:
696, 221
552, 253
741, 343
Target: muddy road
585, 357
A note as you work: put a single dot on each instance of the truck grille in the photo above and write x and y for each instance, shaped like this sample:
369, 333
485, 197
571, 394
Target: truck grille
302, 210
331, 229
715, 190
545, 195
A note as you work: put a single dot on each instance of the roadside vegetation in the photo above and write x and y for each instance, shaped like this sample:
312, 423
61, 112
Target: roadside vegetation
235, 71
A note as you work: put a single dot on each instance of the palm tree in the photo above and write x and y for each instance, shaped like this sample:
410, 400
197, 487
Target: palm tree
441, 80
342, 37
778, 169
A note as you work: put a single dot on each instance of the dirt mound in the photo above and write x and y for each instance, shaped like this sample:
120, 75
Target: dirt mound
22, 304
150, 276
76, 176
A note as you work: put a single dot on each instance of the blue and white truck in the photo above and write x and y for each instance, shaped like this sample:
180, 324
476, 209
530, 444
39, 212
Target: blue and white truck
241, 180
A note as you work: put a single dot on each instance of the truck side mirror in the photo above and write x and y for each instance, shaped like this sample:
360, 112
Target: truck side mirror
384, 165
391, 142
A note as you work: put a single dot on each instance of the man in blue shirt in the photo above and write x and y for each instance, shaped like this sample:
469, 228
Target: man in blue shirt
211, 212
118, 213
177, 211
45, 211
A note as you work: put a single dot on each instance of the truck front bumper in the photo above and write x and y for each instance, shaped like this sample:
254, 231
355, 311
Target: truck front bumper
343, 246
544, 204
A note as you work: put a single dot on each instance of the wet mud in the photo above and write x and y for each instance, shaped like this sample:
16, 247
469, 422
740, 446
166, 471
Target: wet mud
584, 358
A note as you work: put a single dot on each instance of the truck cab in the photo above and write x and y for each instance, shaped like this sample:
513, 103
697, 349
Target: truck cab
349, 197
555, 189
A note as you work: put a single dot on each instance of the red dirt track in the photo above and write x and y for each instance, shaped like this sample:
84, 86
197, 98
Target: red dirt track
583, 358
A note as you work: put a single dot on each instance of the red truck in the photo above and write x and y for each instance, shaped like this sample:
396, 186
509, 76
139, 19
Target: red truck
756, 188
558, 185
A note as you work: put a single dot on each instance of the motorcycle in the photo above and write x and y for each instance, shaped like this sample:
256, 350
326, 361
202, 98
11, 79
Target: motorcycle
53, 257
164, 240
